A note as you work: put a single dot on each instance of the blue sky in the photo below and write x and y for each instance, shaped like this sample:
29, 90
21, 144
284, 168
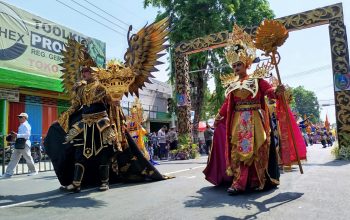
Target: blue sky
303, 51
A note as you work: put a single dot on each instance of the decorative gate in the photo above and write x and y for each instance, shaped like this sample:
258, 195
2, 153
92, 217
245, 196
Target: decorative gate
331, 15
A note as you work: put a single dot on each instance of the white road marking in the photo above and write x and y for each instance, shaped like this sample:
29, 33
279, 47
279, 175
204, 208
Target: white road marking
191, 177
17, 179
184, 170
15, 204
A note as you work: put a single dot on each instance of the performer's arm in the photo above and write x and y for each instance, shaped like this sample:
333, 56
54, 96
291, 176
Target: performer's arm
267, 89
63, 120
222, 112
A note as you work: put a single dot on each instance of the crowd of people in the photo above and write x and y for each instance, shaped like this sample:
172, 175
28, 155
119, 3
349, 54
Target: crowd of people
161, 143
326, 138
320, 133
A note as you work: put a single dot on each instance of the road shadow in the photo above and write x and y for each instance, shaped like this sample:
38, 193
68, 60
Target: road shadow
13, 199
62, 199
217, 197
69, 201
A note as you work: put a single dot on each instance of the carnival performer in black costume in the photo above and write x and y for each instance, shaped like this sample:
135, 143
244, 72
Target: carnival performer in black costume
89, 145
95, 133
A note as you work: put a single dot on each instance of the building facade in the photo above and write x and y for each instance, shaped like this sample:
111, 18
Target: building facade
154, 98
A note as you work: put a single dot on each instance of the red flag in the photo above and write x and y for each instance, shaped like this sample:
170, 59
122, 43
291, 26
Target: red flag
326, 123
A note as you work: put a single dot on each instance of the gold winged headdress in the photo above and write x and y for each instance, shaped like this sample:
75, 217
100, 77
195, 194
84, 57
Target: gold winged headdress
241, 48
75, 58
140, 60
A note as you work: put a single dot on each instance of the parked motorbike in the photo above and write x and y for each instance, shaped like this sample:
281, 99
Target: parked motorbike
7, 156
36, 151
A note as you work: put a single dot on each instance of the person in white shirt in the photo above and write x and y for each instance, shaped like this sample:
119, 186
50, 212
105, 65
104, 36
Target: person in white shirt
24, 131
163, 153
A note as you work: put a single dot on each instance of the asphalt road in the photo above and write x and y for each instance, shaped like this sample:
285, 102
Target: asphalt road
322, 192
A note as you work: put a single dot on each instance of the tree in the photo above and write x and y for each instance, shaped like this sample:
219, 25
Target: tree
306, 103
198, 18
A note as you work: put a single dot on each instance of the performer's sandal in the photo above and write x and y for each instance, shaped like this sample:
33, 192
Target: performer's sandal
73, 188
104, 187
232, 191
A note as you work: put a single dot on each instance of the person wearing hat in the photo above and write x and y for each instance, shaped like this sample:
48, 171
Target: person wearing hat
23, 149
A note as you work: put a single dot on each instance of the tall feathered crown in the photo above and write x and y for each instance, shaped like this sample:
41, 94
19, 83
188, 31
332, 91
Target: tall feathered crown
240, 47
136, 112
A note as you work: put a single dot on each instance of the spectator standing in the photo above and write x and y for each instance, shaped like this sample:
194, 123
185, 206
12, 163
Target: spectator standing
310, 139
208, 136
173, 140
24, 131
162, 143
154, 145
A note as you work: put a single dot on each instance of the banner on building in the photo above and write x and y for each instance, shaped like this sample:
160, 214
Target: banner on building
32, 44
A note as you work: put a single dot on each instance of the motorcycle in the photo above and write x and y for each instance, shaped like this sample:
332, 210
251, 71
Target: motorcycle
7, 155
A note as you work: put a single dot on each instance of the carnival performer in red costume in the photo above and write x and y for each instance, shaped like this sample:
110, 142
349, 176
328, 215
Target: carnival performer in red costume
247, 148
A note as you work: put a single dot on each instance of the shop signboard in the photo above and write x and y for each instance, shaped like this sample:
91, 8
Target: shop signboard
31, 44
11, 95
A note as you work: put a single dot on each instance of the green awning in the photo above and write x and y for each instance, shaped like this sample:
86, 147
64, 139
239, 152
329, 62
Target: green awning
23, 79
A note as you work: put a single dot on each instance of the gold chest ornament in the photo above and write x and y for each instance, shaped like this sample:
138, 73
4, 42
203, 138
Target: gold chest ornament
249, 84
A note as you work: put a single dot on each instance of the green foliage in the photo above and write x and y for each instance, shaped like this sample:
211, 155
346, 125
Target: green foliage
306, 103
198, 18
184, 139
186, 149
342, 152
207, 106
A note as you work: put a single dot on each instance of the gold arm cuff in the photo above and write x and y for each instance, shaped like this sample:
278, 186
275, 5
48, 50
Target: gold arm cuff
63, 120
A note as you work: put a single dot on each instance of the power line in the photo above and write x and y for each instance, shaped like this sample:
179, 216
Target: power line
99, 15
307, 72
317, 90
106, 13
91, 18
322, 100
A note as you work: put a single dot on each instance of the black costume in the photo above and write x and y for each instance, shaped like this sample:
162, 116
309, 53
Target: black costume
92, 145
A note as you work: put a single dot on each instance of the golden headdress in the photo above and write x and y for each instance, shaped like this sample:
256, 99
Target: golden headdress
136, 112
140, 60
240, 47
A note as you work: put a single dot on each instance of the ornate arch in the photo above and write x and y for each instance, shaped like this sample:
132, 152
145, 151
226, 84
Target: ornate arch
331, 15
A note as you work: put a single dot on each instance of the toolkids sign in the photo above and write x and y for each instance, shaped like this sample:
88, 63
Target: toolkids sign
32, 44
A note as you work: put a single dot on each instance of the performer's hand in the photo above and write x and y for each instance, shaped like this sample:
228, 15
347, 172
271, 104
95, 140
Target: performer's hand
280, 89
